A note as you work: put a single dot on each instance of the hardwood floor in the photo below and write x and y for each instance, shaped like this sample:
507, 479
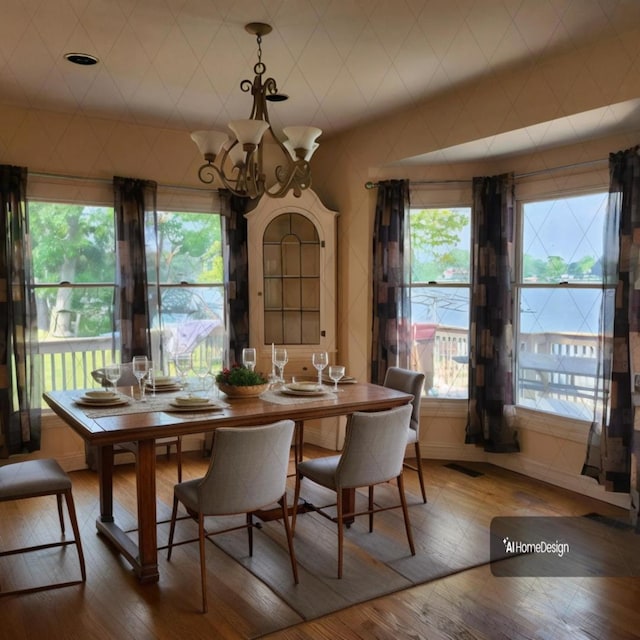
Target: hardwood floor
472, 604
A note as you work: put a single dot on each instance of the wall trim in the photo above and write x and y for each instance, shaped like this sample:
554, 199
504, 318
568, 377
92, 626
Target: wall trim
518, 463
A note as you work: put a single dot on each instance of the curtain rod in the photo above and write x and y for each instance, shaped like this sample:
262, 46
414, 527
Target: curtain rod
373, 185
61, 176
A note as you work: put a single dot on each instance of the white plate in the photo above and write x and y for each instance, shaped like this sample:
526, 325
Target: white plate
100, 395
193, 407
190, 401
303, 387
343, 380
305, 394
160, 388
94, 402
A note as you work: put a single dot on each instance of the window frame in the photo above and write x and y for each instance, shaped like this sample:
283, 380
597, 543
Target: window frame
426, 349
77, 191
519, 286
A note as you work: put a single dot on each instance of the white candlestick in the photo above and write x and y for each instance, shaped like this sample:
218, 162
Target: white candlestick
273, 366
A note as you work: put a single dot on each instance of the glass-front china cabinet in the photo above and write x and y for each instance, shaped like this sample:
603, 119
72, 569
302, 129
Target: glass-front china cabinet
292, 280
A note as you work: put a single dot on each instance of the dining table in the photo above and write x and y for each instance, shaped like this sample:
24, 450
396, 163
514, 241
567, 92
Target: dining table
131, 420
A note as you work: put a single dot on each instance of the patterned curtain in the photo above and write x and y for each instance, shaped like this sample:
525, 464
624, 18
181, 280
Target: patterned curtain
20, 398
613, 454
391, 331
236, 273
133, 198
491, 409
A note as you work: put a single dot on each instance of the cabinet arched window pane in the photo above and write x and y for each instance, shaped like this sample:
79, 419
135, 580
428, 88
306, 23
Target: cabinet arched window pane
291, 268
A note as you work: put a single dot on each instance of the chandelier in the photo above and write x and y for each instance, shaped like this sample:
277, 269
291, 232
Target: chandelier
240, 161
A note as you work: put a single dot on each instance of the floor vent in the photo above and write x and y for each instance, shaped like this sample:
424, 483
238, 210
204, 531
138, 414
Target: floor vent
458, 467
609, 521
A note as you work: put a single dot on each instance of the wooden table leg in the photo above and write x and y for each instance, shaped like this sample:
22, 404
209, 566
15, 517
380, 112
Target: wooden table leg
105, 480
298, 439
147, 533
143, 557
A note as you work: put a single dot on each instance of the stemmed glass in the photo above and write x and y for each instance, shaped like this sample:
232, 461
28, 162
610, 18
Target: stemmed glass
140, 367
201, 360
249, 358
280, 359
112, 374
320, 360
183, 364
336, 372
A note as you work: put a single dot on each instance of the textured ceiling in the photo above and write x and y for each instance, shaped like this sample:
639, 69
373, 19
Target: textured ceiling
179, 63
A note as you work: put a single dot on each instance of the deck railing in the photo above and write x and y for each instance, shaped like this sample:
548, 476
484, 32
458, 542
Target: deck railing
441, 352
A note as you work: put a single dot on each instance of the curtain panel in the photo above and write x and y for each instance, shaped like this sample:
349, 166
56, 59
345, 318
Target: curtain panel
391, 326
236, 273
613, 451
491, 411
20, 414
133, 199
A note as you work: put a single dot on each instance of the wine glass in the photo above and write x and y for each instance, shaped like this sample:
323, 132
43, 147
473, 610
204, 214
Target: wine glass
320, 360
112, 374
336, 372
182, 362
201, 360
140, 367
280, 359
249, 358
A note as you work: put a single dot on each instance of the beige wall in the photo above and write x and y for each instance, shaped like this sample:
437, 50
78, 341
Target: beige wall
572, 82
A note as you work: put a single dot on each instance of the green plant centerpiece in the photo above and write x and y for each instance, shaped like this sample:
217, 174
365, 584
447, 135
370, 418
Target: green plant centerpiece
241, 382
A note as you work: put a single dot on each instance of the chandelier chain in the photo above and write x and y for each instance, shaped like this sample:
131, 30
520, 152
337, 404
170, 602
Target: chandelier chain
240, 162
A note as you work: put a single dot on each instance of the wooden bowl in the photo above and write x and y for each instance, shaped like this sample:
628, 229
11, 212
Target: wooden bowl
243, 392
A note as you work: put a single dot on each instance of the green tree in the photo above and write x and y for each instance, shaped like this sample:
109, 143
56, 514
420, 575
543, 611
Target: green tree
185, 249
434, 236
75, 244
556, 268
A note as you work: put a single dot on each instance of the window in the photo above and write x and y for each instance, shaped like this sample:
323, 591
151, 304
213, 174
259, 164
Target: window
184, 260
440, 288
559, 290
75, 272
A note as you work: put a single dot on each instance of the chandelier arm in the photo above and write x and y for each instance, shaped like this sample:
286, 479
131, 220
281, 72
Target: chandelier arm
207, 172
294, 174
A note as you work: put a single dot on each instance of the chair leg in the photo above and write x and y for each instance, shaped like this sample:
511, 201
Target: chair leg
296, 497
287, 529
340, 530
76, 531
172, 528
419, 470
203, 567
250, 532
60, 514
370, 508
405, 513
179, 459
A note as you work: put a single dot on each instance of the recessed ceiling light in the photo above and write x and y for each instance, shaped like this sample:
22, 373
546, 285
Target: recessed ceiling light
84, 59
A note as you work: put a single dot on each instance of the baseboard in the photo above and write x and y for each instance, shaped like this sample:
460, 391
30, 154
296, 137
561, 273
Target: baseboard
530, 468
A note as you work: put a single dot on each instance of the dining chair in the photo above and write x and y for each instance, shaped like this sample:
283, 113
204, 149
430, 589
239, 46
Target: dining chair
247, 472
410, 382
35, 478
372, 454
